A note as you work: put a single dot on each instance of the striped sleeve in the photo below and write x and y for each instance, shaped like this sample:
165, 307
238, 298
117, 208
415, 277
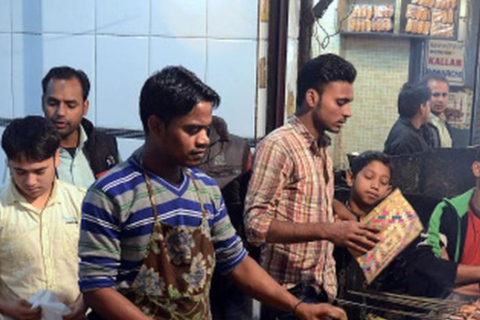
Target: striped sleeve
229, 250
99, 245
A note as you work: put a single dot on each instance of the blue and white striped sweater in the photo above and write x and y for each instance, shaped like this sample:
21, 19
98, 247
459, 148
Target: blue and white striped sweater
117, 221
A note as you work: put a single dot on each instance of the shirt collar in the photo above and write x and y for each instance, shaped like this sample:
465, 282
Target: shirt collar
82, 138
437, 119
309, 140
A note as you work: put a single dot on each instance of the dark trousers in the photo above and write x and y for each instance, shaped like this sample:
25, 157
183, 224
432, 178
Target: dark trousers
304, 292
227, 301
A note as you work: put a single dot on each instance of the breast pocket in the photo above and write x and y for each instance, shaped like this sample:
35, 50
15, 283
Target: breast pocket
70, 234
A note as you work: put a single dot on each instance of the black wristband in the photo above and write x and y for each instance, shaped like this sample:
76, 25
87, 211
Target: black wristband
296, 306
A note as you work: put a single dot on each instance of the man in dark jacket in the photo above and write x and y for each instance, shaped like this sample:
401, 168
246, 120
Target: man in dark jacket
228, 161
405, 137
85, 153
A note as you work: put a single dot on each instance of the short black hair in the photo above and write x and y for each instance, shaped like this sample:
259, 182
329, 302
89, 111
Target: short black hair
173, 92
32, 137
67, 73
433, 77
320, 71
366, 157
411, 97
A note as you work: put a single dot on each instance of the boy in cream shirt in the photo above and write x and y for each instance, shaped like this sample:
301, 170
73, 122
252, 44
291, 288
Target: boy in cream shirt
39, 223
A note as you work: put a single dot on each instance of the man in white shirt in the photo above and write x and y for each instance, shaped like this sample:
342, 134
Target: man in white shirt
39, 223
438, 131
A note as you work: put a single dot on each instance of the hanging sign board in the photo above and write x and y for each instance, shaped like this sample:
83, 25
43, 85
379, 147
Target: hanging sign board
446, 58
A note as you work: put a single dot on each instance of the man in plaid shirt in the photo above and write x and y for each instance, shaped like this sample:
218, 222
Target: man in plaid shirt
288, 210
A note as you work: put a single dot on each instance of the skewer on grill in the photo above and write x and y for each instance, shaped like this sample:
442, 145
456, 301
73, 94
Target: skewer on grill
434, 308
411, 301
424, 315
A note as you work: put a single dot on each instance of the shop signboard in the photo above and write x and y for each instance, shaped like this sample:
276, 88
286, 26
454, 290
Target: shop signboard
446, 58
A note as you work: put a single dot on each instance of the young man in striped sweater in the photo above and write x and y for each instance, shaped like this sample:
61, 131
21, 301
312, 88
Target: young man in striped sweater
154, 228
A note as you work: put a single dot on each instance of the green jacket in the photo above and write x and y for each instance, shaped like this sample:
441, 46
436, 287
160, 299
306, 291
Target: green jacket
450, 219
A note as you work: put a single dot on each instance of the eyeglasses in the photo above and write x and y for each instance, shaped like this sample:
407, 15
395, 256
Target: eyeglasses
438, 94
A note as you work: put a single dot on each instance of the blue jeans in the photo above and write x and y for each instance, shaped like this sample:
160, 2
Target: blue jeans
304, 292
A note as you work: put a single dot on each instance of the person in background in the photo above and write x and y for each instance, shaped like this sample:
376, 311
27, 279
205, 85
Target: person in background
369, 182
85, 153
39, 223
438, 131
228, 161
406, 137
288, 208
155, 227
449, 257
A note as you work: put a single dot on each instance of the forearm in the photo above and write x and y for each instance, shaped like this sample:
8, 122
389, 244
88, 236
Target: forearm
467, 274
341, 211
291, 232
111, 305
254, 281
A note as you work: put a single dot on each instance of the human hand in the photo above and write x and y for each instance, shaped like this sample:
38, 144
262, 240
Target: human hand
21, 310
319, 311
354, 235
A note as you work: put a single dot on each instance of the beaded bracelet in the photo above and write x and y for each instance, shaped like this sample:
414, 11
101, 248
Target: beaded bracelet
296, 306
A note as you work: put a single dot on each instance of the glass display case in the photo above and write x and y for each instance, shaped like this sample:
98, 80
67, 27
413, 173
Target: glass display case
436, 19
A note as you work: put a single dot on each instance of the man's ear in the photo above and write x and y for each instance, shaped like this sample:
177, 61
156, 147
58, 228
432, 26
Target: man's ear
349, 178
86, 104
425, 108
155, 125
311, 98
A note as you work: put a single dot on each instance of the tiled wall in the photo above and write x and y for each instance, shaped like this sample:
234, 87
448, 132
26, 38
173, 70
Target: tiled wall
119, 43
382, 64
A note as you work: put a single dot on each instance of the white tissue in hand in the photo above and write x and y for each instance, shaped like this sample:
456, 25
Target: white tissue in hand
52, 309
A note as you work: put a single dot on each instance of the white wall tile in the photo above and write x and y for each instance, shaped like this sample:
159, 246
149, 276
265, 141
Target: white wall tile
175, 18
68, 16
76, 51
5, 16
261, 113
27, 74
26, 16
231, 71
190, 53
122, 17
122, 68
127, 146
232, 18
293, 18
6, 102
291, 71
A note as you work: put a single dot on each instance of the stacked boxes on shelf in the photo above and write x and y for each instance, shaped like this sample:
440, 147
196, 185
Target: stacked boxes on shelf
371, 18
431, 17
